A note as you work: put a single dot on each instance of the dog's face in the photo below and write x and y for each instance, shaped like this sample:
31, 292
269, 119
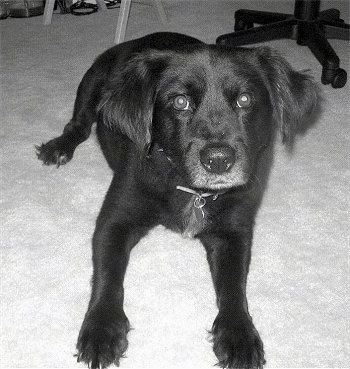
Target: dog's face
212, 110
211, 119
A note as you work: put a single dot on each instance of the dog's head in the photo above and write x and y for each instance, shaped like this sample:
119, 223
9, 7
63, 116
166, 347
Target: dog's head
212, 109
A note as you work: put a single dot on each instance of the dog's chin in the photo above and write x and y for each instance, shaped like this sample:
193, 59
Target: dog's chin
202, 180
218, 183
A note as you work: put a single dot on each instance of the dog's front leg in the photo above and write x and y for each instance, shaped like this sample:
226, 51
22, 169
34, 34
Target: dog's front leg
103, 335
236, 342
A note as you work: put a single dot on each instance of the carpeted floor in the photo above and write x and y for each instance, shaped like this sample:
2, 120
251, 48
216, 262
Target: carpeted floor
298, 284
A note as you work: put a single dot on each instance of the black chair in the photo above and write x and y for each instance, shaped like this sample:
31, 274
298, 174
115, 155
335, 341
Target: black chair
308, 26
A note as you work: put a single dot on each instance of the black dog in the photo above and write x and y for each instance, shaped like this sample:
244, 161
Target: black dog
187, 129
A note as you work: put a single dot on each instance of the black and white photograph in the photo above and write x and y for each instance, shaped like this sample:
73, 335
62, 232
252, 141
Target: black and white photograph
175, 184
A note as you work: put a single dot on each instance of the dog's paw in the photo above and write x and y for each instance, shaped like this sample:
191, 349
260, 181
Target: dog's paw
55, 152
102, 341
237, 345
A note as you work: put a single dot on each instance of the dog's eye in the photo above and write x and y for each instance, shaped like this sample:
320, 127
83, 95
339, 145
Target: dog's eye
181, 102
244, 100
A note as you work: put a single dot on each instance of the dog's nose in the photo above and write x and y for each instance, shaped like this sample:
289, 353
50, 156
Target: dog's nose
217, 159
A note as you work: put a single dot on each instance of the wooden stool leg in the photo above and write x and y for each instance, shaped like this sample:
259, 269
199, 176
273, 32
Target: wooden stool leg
124, 16
101, 5
122, 21
161, 12
48, 10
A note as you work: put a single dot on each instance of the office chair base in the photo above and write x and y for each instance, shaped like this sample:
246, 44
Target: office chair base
307, 26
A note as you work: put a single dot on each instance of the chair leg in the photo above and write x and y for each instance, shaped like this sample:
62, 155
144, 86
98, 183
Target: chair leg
161, 12
337, 30
48, 10
329, 14
323, 51
274, 31
124, 16
101, 5
321, 48
122, 21
249, 17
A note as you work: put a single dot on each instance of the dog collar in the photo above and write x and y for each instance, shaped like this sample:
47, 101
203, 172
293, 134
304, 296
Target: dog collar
199, 197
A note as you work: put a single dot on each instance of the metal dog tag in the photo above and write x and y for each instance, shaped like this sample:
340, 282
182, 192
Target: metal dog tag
199, 203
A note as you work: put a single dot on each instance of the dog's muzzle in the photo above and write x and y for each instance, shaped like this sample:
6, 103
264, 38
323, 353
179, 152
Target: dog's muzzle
217, 159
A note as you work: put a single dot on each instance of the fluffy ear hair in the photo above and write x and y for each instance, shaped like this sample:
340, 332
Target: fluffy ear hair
294, 95
129, 95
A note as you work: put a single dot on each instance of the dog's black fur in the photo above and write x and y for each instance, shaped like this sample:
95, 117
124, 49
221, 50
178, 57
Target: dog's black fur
172, 111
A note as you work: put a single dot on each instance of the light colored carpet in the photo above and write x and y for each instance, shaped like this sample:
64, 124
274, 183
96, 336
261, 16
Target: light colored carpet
298, 284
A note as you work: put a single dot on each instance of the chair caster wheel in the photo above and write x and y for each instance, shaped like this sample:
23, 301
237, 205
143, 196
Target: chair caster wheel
339, 79
240, 25
336, 77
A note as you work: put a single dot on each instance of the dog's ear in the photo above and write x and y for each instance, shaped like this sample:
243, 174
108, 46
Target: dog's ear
129, 95
294, 95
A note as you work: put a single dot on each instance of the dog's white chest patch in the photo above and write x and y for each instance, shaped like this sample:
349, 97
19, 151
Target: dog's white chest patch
194, 217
